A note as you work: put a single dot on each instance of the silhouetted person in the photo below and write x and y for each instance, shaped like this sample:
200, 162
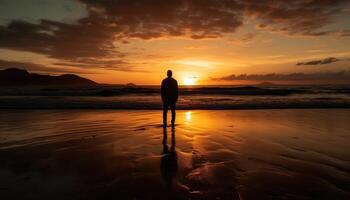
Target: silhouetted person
170, 92
168, 163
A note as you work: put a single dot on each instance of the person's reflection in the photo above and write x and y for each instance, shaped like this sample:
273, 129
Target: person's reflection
168, 163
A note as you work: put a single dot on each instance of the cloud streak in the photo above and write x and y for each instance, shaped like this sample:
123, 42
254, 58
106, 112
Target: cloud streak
4, 64
321, 76
320, 62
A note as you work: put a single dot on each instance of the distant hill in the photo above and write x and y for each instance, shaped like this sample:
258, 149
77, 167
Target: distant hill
130, 85
266, 84
21, 77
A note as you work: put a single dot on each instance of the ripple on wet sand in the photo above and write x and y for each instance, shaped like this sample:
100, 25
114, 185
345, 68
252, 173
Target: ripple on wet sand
251, 154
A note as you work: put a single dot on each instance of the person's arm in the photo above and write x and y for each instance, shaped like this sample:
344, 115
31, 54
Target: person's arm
176, 91
162, 90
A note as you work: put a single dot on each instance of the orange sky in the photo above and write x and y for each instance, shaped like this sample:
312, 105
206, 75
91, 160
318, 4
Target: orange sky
203, 42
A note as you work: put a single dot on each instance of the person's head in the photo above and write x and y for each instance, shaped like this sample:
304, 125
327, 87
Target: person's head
169, 73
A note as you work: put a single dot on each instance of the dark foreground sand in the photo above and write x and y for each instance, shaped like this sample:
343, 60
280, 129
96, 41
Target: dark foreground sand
101, 154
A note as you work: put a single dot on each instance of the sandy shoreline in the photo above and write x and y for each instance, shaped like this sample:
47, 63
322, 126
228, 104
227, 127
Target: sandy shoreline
124, 154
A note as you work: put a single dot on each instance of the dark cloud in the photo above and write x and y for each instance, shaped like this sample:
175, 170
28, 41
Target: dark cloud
326, 76
148, 19
211, 18
298, 17
320, 62
343, 33
94, 36
58, 40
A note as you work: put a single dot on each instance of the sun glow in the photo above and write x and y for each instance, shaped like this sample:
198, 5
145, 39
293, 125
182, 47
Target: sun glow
190, 80
197, 63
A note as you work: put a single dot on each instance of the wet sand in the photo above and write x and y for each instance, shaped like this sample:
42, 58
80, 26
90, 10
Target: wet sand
126, 154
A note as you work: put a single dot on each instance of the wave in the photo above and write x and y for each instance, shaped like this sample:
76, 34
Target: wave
109, 90
148, 97
185, 102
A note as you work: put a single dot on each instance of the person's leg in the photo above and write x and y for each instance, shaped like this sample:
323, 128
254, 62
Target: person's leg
173, 114
165, 112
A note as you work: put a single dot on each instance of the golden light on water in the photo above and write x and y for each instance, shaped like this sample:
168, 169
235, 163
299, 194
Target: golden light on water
188, 116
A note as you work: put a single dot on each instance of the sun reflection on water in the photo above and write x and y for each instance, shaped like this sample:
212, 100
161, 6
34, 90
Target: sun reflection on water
188, 116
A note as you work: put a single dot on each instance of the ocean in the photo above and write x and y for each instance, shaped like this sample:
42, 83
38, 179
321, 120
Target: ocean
194, 97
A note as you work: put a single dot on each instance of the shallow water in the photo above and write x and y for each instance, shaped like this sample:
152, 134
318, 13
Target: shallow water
227, 154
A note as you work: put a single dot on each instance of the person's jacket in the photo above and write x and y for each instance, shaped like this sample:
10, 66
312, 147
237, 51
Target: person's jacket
169, 90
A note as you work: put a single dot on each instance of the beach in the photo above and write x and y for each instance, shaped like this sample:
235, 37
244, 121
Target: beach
210, 154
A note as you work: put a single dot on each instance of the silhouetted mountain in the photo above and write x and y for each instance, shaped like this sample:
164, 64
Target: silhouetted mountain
131, 85
20, 77
266, 84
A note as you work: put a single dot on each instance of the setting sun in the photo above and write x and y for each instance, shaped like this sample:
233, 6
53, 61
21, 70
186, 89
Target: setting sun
190, 80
